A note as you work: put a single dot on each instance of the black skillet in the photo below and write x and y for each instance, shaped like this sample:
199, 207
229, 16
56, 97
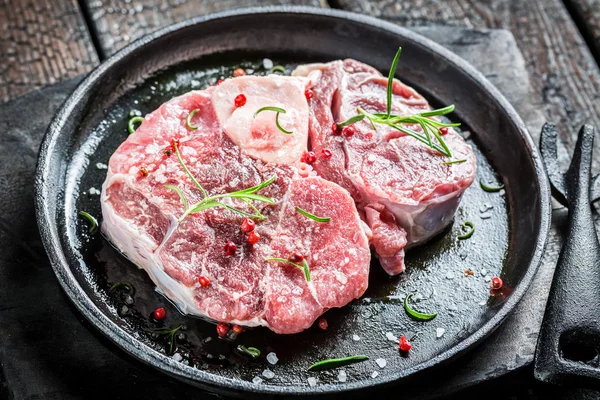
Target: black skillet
511, 225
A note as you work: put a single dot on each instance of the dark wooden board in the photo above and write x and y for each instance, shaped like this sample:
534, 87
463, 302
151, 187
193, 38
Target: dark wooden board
118, 22
586, 14
41, 43
562, 70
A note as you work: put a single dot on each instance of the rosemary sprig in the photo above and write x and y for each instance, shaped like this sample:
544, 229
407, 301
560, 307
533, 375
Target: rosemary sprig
133, 122
390, 84
246, 195
415, 314
453, 162
93, 222
277, 68
251, 351
304, 267
278, 111
312, 216
336, 362
489, 188
120, 285
188, 120
468, 228
169, 335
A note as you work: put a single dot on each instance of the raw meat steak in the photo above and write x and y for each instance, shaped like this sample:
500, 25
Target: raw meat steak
403, 188
140, 215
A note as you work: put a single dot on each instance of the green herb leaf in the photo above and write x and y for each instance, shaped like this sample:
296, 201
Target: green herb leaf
91, 220
132, 122
352, 120
188, 120
304, 267
390, 86
251, 351
336, 362
454, 162
120, 285
277, 68
468, 232
490, 189
260, 186
312, 216
187, 171
181, 195
277, 112
415, 314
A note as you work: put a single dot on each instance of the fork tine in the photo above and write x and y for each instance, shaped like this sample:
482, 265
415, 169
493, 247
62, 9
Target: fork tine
549, 155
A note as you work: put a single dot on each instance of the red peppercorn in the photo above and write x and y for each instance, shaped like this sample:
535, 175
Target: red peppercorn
348, 131
159, 314
335, 129
204, 281
326, 153
323, 324
496, 283
296, 258
238, 329
308, 94
222, 329
253, 237
144, 171
443, 130
239, 72
219, 81
248, 225
308, 157
240, 100
230, 249
404, 345
369, 135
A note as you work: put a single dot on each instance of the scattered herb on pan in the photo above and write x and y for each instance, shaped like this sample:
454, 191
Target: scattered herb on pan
431, 127
304, 267
277, 111
489, 188
122, 285
468, 228
91, 221
336, 362
453, 162
277, 68
170, 336
188, 120
415, 314
312, 216
131, 125
246, 195
250, 351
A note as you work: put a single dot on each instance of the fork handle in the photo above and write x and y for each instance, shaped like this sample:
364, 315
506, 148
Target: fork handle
569, 342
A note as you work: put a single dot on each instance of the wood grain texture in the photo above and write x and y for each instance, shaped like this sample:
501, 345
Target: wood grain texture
561, 67
118, 22
41, 42
587, 16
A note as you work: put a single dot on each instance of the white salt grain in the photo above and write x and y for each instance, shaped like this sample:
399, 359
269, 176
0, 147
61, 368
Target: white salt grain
177, 357
381, 362
439, 332
101, 166
342, 376
375, 374
391, 337
483, 272
257, 380
272, 358
356, 338
267, 63
267, 373
93, 191
485, 216
312, 381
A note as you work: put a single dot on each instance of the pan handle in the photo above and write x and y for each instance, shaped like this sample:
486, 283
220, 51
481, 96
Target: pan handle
568, 348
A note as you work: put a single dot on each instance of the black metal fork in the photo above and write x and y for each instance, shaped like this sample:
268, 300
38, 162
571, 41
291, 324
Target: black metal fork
568, 348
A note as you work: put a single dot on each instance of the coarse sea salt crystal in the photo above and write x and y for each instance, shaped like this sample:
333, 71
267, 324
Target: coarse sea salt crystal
267, 373
267, 63
375, 374
272, 358
391, 337
93, 191
312, 381
342, 376
483, 272
381, 362
439, 332
101, 166
257, 380
177, 357
356, 338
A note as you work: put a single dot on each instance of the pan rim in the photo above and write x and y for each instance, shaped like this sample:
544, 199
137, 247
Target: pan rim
62, 268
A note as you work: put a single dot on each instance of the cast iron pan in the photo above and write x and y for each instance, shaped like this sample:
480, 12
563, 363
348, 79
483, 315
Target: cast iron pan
511, 225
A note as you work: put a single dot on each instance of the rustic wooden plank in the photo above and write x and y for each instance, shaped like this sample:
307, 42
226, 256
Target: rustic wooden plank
118, 22
41, 42
561, 67
587, 16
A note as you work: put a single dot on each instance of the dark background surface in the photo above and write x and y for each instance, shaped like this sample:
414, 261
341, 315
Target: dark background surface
48, 351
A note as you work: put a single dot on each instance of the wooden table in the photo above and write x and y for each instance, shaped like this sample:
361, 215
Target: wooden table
47, 41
